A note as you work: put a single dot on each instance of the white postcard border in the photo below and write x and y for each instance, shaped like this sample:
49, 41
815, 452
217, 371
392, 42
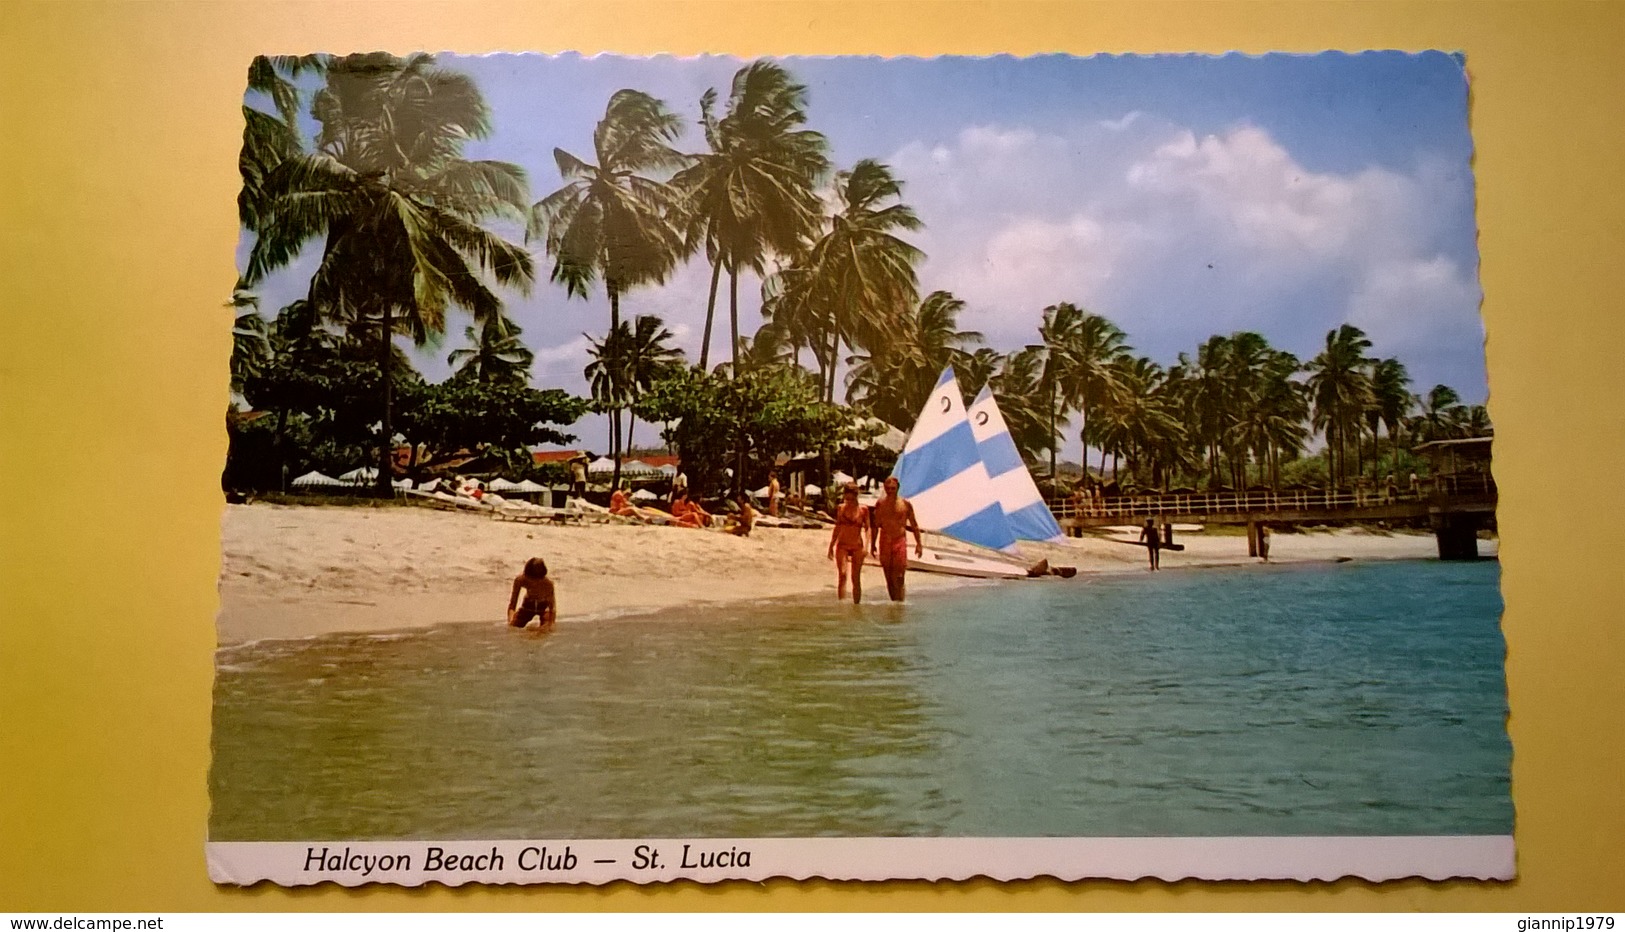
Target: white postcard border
599, 861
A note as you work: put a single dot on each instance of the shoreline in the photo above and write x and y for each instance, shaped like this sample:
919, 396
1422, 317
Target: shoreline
292, 572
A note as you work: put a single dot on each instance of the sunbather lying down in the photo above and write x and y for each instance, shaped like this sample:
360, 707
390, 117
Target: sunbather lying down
685, 513
620, 504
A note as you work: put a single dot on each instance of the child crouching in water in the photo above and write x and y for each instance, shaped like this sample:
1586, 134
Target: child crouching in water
540, 600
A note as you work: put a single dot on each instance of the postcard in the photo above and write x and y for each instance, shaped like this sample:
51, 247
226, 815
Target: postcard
859, 468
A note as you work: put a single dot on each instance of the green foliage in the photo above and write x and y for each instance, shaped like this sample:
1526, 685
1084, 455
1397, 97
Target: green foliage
468, 414
718, 420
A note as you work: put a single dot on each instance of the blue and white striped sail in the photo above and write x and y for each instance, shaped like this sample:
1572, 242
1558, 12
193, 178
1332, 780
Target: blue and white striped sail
941, 471
1029, 517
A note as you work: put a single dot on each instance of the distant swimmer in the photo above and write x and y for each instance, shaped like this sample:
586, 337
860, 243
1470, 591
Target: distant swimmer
540, 602
846, 543
1152, 541
892, 518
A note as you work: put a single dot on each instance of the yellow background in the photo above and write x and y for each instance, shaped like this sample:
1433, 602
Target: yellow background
117, 186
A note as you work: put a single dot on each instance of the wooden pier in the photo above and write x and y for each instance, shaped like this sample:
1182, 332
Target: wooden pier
1454, 510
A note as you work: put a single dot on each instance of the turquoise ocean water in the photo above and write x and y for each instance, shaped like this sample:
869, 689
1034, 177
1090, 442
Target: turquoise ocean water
1352, 699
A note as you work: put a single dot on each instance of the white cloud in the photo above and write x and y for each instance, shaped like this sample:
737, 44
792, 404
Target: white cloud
1176, 236
1412, 306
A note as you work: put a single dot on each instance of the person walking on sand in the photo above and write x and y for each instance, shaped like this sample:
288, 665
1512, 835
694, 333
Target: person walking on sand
1264, 542
890, 521
541, 601
846, 543
1152, 541
578, 478
773, 494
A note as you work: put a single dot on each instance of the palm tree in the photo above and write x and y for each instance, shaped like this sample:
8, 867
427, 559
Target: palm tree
250, 339
754, 193
399, 208
770, 348
496, 353
1339, 390
269, 140
1017, 384
609, 220
1083, 348
1475, 421
649, 357
1055, 330
1199, 387
1390, 401
896, 379
625, 364
1139, 422
1440, 413
858, 278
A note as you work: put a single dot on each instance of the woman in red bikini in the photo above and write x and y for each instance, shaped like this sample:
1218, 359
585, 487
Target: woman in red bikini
846, 543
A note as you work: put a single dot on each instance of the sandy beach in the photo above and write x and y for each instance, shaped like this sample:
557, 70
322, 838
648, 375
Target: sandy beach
300, 571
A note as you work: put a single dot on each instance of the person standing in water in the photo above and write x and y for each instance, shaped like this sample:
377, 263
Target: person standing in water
846, 543
1152, 541
891, 519
541, 601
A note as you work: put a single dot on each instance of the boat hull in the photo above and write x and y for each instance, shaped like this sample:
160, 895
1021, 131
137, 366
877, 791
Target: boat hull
950, 563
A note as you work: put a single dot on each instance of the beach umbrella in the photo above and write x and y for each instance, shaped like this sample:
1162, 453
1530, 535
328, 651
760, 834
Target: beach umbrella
500, 484
644, 495
526, 485
360, 475
840, 478
638, 469
601, 464
314, 479
668, 470
811, 489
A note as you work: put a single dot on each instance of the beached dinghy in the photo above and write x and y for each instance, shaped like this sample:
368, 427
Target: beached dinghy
965, 564
942, 471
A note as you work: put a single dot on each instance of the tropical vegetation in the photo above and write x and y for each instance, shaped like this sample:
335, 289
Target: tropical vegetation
409, 231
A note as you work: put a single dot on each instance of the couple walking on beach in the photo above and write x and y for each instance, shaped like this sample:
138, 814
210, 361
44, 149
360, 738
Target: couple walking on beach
887, 526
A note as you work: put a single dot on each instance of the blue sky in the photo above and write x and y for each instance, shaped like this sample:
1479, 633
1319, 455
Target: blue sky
1180, 196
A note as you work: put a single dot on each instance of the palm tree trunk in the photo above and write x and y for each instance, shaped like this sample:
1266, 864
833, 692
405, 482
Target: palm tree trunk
710, 311
615, 448
386, 442
733, 312
1055, 442
614, 307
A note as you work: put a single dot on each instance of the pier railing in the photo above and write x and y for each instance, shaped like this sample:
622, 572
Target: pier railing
1264, 503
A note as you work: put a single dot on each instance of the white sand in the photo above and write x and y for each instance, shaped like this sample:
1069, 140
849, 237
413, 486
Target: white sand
290, 572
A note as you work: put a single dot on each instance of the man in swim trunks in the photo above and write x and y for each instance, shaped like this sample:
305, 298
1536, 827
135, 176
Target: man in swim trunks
846, 545
891, 519
540, 599
1152, 542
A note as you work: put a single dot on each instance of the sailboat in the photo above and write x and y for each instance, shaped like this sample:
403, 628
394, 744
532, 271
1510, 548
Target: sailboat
942, 471
1023, 504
